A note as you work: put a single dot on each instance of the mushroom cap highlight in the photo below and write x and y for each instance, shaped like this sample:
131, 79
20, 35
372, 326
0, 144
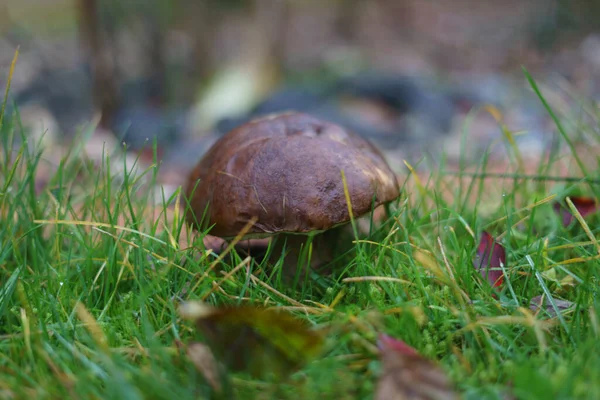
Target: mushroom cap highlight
285, 170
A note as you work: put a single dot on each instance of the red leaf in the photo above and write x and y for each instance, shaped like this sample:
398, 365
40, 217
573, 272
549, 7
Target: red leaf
408, 375
386, 342
489, 258
584, 205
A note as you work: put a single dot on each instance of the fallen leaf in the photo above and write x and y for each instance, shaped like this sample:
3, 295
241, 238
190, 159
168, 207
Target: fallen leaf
584, 205
489, 258
408, 375
257, 340
205, 362
567, 282
542, 302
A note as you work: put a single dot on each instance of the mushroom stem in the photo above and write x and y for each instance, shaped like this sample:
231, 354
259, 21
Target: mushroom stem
296, 250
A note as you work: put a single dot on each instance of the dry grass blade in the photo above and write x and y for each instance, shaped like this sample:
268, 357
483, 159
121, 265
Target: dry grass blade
206, 363
376, 279
11, 71
92, 326
98, 225
275, 291
217, 285
526, 208
583, 224
212, 266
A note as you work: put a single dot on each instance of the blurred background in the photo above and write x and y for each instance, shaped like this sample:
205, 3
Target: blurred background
404, 73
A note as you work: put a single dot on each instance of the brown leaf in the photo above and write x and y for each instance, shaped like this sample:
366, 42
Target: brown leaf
257, 340
489, 258
205, 362
584, 205
542, 302
408, 375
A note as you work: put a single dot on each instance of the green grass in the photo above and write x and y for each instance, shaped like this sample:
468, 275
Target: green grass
92, 242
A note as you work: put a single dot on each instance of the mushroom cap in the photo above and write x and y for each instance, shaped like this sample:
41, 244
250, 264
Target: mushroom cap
285, 170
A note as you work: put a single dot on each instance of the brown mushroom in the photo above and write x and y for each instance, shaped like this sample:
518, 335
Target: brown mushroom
285, 170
